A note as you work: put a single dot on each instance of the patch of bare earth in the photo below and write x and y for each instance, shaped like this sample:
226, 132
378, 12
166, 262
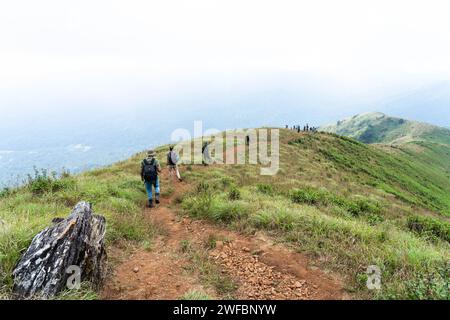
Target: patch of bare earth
261, 269
154, 275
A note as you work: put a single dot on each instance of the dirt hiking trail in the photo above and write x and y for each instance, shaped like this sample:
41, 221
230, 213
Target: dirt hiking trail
259, 268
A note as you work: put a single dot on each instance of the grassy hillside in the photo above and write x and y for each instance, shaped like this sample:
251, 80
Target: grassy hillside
346, 204
115, 192
375, 127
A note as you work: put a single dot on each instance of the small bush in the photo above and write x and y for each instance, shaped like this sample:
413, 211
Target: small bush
265, 189
225, 211
429, 227
234, 194
431, 284
63, 184
198, 206
362, 206
280, 220
373, 219
226, 182
204, 187
355, 207
308, 195
211, 207
43, 182
130, 227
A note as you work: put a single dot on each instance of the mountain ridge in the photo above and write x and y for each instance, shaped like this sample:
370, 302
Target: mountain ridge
345, 204
377, 127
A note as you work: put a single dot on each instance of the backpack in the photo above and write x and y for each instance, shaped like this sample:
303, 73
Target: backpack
150, 170
172, 158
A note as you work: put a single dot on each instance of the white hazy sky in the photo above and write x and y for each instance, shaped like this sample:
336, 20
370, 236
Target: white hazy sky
100, 46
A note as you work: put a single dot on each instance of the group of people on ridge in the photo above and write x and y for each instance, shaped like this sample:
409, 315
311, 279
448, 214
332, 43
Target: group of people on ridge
150, 170
306, 128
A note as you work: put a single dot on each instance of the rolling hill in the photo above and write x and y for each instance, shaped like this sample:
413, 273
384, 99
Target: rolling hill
376, 127
343, 204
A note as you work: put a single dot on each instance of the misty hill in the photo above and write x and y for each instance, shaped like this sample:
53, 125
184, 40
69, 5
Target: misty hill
376, 127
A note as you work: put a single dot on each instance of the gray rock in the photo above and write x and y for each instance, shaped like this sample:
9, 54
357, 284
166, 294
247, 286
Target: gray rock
76, 241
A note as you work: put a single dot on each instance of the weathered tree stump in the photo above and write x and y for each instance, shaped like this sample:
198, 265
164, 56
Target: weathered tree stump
74, 243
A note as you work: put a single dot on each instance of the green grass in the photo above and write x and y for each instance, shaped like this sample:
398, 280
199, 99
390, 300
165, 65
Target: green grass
195, 295
115, 192
86, 292
379, 128
347, 205
430, 227
265, 188
400, 173
234, 194
347, 241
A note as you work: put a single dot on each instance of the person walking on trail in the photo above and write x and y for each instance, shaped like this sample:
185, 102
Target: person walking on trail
206, 156
150, 169
172, 163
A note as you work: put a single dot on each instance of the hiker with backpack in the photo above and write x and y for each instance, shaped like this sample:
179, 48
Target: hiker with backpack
172, 163
150, 168
206, 156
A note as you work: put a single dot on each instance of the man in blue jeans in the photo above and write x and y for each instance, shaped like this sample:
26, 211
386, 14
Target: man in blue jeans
150, 168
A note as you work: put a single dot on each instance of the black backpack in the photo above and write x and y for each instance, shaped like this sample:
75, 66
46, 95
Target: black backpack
150, 170
169, 159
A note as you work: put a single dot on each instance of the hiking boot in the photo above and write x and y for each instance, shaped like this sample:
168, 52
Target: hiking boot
150, 204
157, 200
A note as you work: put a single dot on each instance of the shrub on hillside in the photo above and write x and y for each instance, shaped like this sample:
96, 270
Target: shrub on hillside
131, 227
234, 194
280, 220
308, 195
207, 206
226, 182
362, 206
429, 227
355, 207
265, 188
203, 187
431, 284
199, 204
227, 211
43, 182
373, 219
